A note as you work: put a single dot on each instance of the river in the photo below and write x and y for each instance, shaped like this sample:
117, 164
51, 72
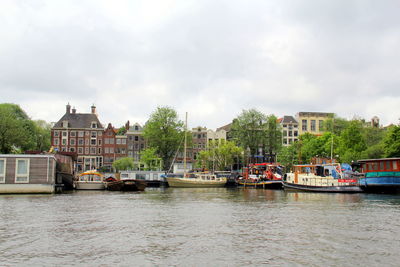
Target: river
199, 227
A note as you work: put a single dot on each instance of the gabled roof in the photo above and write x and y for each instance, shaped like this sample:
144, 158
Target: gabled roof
79, 120
225, 127
288, 119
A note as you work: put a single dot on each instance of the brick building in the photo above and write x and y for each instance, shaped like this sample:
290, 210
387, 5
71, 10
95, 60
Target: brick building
81, 133
114, 146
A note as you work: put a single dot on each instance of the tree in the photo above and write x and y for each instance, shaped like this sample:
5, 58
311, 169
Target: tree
42, 135
17, 131
391, 142
150, 158
288, 156
335, 125
351, 142
121, 131
248, 130
273, 135
164, 132
123, 164
220, 155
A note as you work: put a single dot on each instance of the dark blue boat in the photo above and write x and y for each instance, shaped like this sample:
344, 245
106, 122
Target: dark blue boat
381, 175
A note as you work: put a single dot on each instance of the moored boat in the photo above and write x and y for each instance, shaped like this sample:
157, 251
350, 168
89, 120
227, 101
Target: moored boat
323, 178
262, 175
196, 180
90, 180
381, 175
133, 185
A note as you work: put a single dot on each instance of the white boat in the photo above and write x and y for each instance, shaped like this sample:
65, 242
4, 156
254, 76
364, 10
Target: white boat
197, 180
90, 180
321, 178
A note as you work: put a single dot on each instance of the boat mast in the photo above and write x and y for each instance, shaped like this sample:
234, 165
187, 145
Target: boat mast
185, 146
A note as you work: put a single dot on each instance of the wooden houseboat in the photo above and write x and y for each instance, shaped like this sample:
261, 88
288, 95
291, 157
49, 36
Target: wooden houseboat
381, 175
322, 178
24, 173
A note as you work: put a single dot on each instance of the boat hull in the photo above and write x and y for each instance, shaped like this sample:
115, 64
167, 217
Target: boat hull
190, 182
381, 184
323, 189
134, 185
89, 186
274, 184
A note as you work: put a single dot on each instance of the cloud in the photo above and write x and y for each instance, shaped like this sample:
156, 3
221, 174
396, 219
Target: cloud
210, 58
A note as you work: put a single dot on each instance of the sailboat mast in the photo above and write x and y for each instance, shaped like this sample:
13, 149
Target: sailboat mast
185, 146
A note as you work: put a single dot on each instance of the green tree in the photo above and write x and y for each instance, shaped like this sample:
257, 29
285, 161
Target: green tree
391, 142
273, 135
123, 164
335, 124
164, 132
351, 143
248, 129
121, 131
17, 131
150, 159
42, 135
288, 155
220, 155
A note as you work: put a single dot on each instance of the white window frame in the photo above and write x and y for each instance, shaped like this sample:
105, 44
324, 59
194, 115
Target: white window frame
25, 175
3, 175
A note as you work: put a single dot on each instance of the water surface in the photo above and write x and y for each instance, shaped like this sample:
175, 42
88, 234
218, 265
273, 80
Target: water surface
198, 227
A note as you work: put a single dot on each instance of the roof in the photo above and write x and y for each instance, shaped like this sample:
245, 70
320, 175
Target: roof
288, 119
79, 120
225, 127
317, 114
372, 160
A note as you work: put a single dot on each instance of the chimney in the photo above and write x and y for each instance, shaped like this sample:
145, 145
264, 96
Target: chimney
127, 125
68, 109
73, 110
93, 107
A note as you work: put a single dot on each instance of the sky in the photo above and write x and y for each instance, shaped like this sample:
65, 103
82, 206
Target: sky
210, 58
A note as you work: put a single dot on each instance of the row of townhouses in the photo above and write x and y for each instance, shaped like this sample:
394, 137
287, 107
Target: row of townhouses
98, 145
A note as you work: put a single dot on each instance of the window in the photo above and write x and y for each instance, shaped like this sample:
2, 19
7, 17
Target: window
64, 133
106, 141
381, 164
321, 125
64, 142
94, 125
72, 149
295, 133
136, 138
111, 141
284, 141
56, 133
80, 150
92, 150
285, 125
73, 133
87, 142
285, 133
22, 171
80, 142
111, 150
109, 133
72, 142
80, 134
99, 150
136, 128
93, 142
304, 125
123, 141
313, 125
394, 165
99, 142
118, 141
56, 141
388, 167
87, 133
290, 133
130, 138
2, 170
94, 134
86, 150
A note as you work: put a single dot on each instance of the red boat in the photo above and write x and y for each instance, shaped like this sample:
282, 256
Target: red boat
262, 175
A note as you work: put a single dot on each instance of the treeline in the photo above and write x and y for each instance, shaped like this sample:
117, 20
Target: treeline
19, 133
346, 141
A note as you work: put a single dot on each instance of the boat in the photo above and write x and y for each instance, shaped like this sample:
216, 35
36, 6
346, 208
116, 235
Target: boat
200, 179
381, 175
332, 177
196, 180
262, 175
90, 180
126, 184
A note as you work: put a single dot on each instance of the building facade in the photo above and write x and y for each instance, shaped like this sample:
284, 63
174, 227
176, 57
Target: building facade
135, 141
290, 130
81, 133
312, 122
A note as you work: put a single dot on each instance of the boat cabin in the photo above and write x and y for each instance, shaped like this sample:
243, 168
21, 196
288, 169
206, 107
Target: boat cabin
380, 165
262, 170
328, 170
24, 173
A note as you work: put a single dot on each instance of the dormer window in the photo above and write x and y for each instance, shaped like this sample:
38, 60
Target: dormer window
136, 128
65, 124
94, 124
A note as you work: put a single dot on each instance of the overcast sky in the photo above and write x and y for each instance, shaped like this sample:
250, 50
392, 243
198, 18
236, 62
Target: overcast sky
208, 57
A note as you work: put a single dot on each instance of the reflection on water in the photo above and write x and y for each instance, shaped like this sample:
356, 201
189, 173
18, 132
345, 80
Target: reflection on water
199, 226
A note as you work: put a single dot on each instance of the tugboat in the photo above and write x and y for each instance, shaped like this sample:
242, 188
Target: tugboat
262, 175
381, 175
332, 177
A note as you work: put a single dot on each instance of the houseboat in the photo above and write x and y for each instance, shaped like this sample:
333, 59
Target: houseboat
203, 179
152, 178
90, 180
323, 178
24, 173
262, 175
381, 175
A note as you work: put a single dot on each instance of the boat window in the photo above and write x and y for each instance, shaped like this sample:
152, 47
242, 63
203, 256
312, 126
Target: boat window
375, 166
388, 167
394, 165
2, 170
381, 164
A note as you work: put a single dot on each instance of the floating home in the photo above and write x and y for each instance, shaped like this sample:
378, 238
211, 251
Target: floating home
381, 175
24, 173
